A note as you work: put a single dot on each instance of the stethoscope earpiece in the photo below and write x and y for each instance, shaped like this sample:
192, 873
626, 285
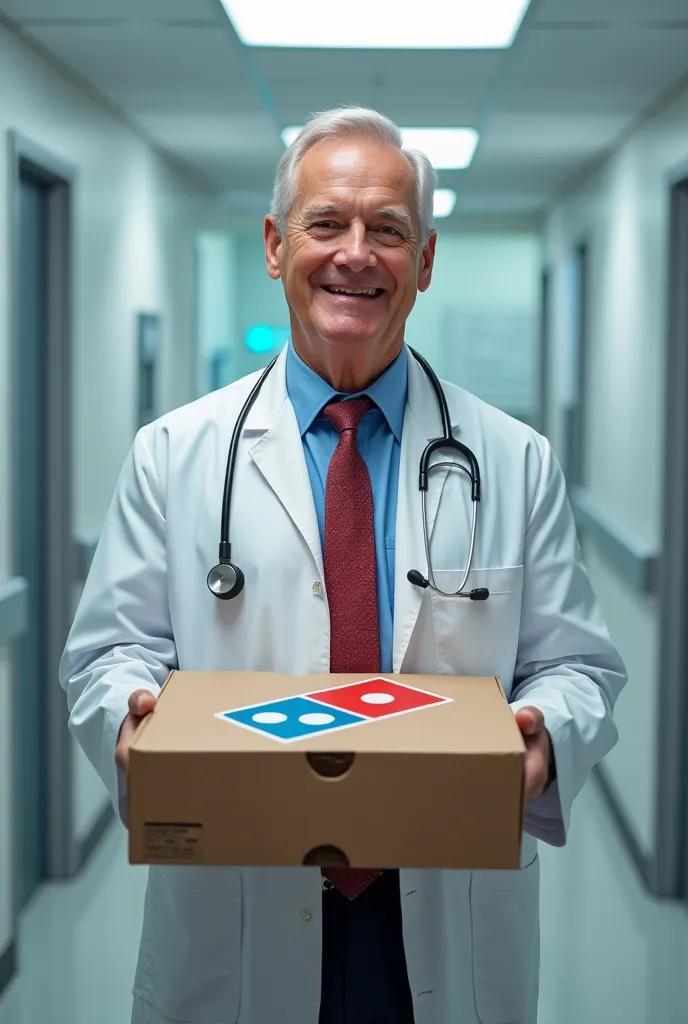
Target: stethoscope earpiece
225, 580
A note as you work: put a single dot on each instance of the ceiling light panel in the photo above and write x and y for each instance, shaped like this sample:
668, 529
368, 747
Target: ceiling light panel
385, 24
444, 202
446, 148
290, 134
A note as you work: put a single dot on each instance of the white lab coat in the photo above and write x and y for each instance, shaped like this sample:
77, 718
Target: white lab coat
242, 946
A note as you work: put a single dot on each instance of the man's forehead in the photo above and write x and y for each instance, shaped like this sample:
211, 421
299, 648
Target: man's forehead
363, 166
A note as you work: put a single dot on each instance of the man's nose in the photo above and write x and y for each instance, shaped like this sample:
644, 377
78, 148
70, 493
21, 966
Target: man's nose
355, 250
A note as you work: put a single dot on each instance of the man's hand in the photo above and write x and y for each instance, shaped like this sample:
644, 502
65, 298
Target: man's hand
531, 722
141, 703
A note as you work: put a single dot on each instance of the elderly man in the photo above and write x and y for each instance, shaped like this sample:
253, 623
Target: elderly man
326, 523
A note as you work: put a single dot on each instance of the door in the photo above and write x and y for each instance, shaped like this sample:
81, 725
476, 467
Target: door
670, 865
42, 546
30, 496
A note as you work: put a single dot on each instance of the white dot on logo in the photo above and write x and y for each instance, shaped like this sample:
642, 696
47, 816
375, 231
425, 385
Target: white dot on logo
269, 717
377, 698
316, 718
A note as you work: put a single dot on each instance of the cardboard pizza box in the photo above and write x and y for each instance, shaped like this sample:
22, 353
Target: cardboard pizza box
257, 768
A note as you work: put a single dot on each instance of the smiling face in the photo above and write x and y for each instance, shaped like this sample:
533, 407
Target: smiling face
351, 261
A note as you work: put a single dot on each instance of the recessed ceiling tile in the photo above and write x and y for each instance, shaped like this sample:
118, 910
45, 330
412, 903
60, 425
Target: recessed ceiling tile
106, 10
423, 89
239, 138
618, 12
529, 175
135, 64
593, 69
406, 69
539, 135
296, 106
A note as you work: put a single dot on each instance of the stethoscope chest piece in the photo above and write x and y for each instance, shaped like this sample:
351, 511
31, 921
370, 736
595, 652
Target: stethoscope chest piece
225, 580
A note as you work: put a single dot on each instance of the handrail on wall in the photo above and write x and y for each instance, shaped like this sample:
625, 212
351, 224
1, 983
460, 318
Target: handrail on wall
635, 561
14, 608
14, 593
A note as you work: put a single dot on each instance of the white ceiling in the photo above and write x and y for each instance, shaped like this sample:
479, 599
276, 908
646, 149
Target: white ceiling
579, 73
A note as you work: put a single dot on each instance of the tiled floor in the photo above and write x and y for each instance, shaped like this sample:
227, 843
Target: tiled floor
610, 955
78, 945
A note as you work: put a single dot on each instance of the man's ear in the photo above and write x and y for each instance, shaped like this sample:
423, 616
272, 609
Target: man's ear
273, 248
427, 263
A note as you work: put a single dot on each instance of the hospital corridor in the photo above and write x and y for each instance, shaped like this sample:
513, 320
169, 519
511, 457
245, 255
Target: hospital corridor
488, 201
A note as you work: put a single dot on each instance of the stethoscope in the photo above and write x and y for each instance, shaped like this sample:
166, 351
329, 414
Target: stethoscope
226, 580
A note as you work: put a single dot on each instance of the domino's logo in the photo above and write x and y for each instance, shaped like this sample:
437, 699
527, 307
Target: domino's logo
338, 707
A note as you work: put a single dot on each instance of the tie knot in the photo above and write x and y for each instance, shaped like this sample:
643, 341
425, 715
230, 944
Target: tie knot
348, 414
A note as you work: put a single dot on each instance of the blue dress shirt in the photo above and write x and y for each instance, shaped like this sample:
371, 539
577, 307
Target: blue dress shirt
379, 442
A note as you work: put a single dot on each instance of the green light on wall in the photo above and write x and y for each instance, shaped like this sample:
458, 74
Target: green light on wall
261, 338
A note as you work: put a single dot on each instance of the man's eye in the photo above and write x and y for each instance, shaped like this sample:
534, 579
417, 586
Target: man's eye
327, 224
387, 229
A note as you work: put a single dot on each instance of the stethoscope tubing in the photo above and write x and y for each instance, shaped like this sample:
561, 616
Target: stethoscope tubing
446, 442
426, 540
225, 546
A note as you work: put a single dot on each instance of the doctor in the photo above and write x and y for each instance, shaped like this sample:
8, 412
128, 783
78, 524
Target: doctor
325, 523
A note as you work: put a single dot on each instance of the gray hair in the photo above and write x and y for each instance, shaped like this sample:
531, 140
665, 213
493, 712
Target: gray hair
343, 122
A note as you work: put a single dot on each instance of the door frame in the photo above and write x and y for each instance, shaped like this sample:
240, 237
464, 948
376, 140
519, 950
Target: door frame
544, 349
58, 177
576, 411
669, 863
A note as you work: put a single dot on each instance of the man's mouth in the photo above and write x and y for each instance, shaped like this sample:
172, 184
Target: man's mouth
365, 293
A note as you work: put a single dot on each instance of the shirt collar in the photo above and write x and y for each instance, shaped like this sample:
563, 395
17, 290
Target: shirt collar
308, 392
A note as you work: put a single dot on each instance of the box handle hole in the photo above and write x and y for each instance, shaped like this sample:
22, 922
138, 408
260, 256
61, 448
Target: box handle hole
331, 766
326, 857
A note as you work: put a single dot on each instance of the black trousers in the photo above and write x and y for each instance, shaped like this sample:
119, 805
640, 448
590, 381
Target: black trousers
364, 977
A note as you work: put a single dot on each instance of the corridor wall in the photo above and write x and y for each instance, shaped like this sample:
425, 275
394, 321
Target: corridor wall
135, 218
621, 214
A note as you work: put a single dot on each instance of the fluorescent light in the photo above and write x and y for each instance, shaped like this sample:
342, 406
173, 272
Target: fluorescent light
446, 148
444, 202
381, 25
290, 134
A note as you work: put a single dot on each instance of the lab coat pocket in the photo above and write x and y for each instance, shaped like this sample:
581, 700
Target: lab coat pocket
506, 944
478, 638
190, 958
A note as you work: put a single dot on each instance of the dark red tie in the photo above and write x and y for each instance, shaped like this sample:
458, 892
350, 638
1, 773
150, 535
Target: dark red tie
350, 576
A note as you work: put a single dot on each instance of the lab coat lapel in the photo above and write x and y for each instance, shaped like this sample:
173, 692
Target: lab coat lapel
278, 454
421, 423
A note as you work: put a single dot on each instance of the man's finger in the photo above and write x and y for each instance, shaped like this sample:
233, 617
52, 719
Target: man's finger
535, 775
126, 734
530, 721
141, 703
